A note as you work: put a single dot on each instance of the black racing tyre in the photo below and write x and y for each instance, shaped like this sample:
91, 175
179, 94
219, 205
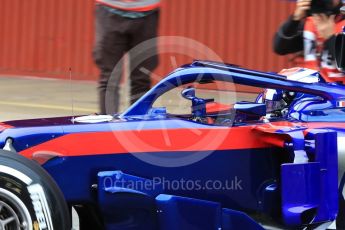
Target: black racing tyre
29, 197
340, 222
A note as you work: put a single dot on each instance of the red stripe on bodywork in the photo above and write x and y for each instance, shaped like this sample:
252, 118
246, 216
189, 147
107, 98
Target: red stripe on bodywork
4, 126
165, 140
168, 140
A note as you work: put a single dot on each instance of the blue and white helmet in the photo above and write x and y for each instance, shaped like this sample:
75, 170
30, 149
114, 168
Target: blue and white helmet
277, 100
302, 75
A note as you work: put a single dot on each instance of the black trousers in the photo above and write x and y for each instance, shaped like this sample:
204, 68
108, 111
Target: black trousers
116, 36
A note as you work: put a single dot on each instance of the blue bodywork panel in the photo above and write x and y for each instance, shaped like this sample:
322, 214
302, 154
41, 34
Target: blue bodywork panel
314, 200
220, 166
155, 210
300, 205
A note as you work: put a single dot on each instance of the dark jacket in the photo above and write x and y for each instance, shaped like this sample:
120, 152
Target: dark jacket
289, 38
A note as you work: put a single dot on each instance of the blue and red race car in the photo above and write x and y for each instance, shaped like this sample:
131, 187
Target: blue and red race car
277, 161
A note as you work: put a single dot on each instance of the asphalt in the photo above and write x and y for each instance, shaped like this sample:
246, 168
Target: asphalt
28, 97
31, 97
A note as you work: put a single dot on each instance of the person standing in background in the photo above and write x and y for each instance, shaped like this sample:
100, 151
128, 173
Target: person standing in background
120, 26
314, 35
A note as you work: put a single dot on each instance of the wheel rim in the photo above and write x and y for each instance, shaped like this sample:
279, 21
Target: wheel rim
13, 212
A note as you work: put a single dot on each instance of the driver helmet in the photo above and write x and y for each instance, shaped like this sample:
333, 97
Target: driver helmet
278, 100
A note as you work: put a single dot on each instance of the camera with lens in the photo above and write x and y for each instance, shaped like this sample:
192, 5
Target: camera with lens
324, 7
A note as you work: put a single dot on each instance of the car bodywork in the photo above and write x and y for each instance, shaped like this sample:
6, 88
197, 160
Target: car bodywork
88, 160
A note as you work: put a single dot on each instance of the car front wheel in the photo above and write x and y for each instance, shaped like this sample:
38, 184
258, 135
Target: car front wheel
29, 197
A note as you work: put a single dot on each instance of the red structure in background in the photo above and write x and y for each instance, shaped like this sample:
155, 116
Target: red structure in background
46, 38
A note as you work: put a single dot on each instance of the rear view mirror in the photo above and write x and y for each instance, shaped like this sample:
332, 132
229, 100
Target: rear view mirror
340, 51
188, 93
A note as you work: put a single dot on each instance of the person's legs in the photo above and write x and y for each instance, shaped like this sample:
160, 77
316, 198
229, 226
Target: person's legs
110, 47
145, 60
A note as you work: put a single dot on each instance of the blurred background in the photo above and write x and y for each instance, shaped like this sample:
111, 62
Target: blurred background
45, 38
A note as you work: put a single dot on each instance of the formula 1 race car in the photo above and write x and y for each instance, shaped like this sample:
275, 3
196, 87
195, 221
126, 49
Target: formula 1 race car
277, 159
